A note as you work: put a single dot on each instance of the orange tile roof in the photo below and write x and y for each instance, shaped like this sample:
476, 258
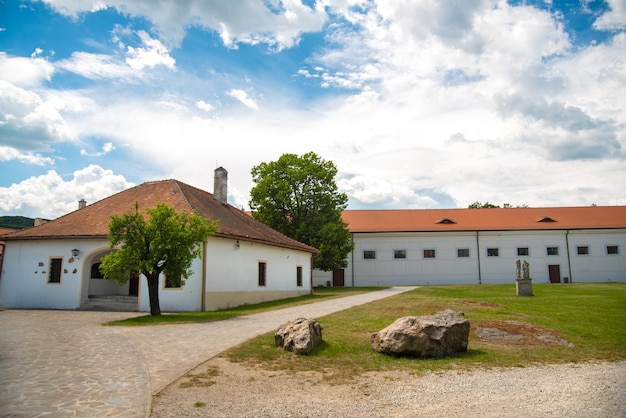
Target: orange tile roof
494, 219
92, 221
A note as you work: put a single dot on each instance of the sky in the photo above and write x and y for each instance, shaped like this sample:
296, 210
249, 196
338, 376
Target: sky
419, 103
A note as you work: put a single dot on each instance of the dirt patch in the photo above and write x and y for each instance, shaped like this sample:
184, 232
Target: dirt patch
482, 304
519, 333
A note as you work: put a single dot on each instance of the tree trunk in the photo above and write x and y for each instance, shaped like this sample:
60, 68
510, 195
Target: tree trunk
153, 293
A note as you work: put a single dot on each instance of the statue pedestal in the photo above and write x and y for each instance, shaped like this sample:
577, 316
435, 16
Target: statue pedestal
524, 287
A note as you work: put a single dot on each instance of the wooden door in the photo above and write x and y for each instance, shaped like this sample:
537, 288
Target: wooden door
554, 271
133, 287
338, 277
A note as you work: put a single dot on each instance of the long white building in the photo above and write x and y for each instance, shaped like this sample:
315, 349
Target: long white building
481, 246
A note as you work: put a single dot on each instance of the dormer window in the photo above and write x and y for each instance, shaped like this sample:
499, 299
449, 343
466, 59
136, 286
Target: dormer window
446, 221
547, 219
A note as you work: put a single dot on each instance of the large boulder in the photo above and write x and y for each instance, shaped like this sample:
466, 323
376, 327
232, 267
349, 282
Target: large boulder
300, 336
437, 335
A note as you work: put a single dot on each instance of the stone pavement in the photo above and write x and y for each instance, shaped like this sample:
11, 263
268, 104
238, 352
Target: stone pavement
63, 363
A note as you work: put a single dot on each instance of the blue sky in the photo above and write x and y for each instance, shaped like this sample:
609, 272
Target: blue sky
420, 104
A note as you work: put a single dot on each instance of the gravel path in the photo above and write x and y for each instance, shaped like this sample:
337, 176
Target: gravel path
219, 388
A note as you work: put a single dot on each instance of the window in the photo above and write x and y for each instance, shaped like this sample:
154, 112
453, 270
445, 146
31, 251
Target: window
462, 252
399, 254
553, 250
262, 273
522, 251
369, 255
612, 249
429, 253
95, 271
299, 276
54, 275
493, 252
169, 283
583, 250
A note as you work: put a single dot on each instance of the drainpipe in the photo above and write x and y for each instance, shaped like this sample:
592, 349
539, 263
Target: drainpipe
569, 258
203, 290
352, 261
480, 279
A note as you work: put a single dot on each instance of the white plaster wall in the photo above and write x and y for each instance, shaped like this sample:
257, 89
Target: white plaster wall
598, 266
447, 268
24, 280
184, 299
231, 268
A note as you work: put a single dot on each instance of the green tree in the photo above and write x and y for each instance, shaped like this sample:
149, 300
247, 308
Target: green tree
478, 205
166, 242
298, 196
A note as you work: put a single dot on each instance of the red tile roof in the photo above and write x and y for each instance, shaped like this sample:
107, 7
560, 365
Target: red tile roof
494, 219
92, 221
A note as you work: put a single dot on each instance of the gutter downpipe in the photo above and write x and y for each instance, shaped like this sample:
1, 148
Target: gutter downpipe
203, 290
352, 261
569, 257
480, 279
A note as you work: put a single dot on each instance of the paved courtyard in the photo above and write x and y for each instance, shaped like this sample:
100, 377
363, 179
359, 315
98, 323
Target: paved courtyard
64, 363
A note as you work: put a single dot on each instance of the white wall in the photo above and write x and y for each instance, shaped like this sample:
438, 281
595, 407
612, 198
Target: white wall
448, 268
24, 280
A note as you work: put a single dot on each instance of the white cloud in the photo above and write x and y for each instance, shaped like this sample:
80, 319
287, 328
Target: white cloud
278, 24
49, 196
152, 53
201, 104
106, 148
8, 154
24, 72
615, 18
96, 66
244, 98
28, 121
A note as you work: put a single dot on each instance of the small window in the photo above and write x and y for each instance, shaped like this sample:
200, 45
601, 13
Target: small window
493, 252
169, 283
54, 275
462, 252
399, 254
583, 250
95, 271
299, 276
369, 255
429, 253
522, 251
552, 250
612, 249
262, 273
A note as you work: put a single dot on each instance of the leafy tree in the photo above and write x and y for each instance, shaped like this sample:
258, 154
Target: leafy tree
166, 242
478, 205
298, 196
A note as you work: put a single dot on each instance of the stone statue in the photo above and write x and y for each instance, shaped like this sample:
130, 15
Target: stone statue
526, 269
518, 270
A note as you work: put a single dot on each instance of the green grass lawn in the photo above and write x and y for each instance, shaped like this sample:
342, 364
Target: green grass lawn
592, 317
320, 294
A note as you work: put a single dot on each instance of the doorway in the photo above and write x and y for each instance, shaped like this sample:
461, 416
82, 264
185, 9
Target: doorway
554, 272
133, 286
338, 277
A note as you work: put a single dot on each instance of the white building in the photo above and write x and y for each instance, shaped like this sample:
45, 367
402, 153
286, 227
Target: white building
55, 265
474, 246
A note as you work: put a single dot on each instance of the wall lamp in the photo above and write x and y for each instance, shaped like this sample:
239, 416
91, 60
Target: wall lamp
75, 252
237, 245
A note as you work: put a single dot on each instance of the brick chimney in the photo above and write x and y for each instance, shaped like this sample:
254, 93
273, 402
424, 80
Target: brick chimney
82, 203
220, 186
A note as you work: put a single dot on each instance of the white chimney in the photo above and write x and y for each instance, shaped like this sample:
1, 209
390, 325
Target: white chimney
220, 185
82, 203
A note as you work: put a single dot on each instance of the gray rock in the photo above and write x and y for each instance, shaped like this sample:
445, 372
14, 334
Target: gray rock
437, 335
300, 336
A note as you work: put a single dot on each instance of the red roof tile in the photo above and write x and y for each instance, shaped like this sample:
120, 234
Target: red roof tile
494, 219
92, 221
